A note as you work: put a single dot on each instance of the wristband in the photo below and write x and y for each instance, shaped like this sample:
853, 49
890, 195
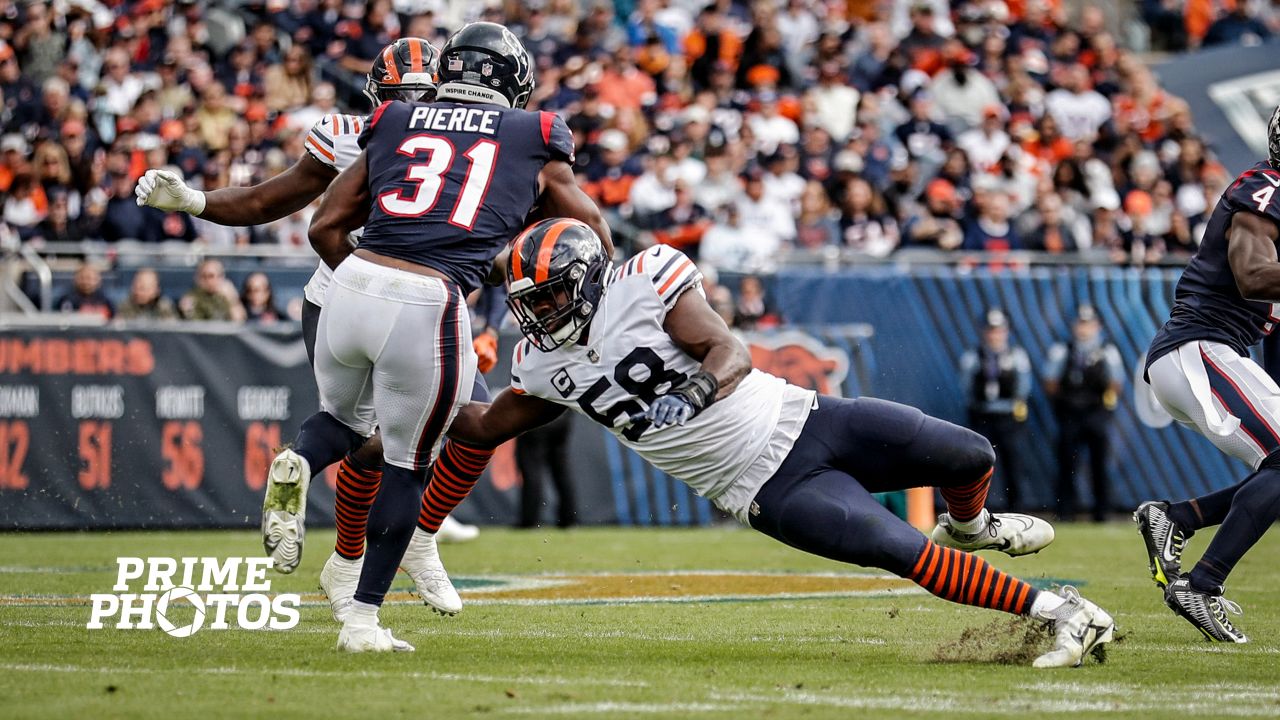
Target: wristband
700, 390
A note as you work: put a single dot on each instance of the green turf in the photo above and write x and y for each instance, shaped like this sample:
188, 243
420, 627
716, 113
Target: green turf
844, 657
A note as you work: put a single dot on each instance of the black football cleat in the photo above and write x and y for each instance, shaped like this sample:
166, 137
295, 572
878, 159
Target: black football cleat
1164, 541
1207, 611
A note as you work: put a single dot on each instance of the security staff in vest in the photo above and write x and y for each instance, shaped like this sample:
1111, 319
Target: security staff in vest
996, 380
1084, 378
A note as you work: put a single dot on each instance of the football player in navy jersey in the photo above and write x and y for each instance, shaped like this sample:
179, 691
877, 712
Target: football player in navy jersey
440, 190
1199, 369
403, 70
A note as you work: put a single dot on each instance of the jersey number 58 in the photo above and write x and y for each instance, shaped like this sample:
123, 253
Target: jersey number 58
643, 390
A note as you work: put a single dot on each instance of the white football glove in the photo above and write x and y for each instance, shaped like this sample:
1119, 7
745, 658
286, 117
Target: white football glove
164, 190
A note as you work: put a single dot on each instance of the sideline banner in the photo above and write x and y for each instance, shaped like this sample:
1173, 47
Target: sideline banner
109, 428
154, 427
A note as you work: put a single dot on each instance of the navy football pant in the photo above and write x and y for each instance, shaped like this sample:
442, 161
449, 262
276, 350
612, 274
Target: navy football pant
820, 498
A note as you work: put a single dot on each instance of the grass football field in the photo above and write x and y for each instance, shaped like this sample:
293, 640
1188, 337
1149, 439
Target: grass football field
720, 623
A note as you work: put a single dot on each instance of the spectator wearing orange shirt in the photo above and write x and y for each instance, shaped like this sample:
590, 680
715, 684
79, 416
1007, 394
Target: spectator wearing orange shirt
623, 85
609, 182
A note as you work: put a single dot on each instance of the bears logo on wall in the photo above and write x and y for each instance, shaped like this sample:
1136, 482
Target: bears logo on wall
800, 359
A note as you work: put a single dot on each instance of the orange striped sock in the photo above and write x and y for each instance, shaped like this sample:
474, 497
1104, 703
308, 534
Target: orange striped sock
967, 579
357, 487
453, 475
965, 502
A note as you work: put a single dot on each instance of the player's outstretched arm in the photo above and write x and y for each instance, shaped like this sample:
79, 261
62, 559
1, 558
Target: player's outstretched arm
561, 197
510, 414
281, 196
1251, 250
344, 208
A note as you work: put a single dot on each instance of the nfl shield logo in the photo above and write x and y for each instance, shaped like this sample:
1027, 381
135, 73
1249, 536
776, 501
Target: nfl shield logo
455, 64
486, 69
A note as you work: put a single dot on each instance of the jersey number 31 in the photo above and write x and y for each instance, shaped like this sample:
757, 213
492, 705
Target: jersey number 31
429, 179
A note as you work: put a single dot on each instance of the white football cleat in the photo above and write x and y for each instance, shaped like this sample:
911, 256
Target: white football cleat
1078, 627
338, 581
453, 531
364, 635
1010, 533
284, 509
422, 562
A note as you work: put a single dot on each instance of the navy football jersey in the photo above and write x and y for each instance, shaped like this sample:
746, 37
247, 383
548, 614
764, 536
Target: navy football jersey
452, 183
1207, 304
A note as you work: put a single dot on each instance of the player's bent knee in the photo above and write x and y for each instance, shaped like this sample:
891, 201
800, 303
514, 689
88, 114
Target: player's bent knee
962, 454
370, 453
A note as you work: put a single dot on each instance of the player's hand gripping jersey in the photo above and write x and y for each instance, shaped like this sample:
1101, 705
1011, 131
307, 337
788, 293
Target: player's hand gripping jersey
1207, 302
467, 171
725, 452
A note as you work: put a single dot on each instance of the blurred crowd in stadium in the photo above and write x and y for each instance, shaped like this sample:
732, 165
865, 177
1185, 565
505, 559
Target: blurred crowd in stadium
732, 130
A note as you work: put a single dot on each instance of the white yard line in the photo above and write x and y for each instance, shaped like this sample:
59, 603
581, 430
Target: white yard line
1246, 701
295, 672
613, 708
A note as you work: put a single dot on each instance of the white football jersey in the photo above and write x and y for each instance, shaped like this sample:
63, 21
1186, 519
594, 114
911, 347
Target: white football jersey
332, 142
727, 451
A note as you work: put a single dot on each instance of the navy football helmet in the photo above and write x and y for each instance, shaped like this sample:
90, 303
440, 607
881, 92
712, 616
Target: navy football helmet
485, 62
1273, 139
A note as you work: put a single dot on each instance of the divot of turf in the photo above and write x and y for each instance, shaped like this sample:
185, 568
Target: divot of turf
1011, 640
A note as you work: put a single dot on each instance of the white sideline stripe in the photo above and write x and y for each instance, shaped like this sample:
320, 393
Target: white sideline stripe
294, 672
621, 707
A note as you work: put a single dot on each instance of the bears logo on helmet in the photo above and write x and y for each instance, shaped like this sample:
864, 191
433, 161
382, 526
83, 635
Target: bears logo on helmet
404, 70
556, 277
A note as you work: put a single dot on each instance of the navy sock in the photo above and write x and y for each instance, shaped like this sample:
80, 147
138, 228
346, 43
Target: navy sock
323, 440
1255, 506
392, 520
1212, 509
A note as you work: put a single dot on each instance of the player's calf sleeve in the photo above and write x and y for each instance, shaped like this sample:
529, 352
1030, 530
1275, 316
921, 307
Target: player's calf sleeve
453, 475
965, 502
357, 487
391, 525
967, 579
1255, 507
323, 440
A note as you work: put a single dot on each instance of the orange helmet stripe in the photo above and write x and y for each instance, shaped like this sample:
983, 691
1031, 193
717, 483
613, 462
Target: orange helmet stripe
544, 252
517, 249
389, 59
415, 56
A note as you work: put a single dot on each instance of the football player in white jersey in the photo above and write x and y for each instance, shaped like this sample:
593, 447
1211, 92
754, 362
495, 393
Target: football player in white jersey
404, 70
639, 350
